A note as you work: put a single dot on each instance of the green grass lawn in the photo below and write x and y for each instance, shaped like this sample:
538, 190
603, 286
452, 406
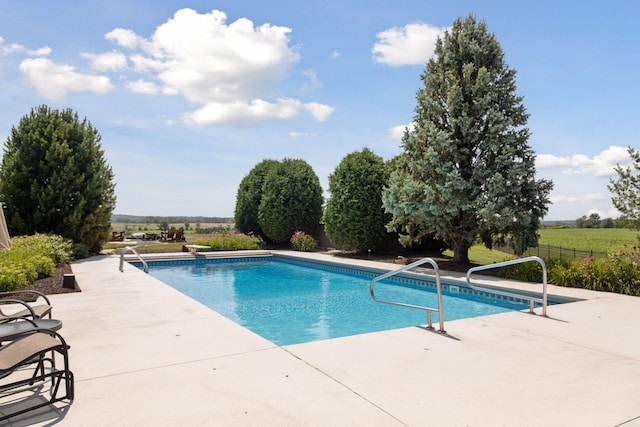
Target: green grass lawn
588, 239
478, 254
600, 240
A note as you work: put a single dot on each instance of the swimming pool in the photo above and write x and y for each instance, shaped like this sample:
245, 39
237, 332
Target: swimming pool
291, 302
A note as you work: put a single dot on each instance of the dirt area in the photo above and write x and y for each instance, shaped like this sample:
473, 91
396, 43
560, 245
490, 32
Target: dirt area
53, 284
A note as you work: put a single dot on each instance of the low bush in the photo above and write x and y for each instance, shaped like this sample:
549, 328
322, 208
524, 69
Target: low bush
12, 277
55, 247
565, 272
526, 272
224, 241
619, 272
31, 258
302, 242
80, 251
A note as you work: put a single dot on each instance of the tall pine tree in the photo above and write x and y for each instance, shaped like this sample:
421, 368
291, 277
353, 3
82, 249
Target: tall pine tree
54, 178
467, 171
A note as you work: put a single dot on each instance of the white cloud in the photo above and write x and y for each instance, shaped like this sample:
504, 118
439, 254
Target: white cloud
589, 197
412, 44
107, 61
587, 204
397, 132
313, 82
43, 51
8, 49
143, 86
143, 64
242, 113
302, 134
602, 164
125, 38
231, 70
320, 112
53, 81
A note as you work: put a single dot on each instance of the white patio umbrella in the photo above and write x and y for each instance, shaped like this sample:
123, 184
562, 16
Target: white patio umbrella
5, 241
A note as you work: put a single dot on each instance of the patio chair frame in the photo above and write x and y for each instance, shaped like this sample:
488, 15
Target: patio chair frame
33, 311
36, 350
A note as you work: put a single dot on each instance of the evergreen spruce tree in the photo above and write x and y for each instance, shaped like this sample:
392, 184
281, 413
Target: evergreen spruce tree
54, 178
467, 171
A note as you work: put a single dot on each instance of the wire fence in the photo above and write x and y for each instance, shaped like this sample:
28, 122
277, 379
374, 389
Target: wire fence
548, 252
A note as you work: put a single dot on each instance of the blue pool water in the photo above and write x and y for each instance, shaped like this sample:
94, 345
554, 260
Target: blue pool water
291, 303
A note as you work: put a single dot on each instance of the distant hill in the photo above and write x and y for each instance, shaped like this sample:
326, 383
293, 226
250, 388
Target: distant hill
138, 219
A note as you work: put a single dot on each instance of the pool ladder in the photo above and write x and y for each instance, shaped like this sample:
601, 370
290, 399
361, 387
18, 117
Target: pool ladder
532, 300
429, 310
126, 249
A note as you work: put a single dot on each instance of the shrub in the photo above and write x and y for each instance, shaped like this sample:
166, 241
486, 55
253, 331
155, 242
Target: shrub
618, 272
302, 242
291, 200
12, 277
31, 258
354, 216
42, 265
527, 272
55, 247
230, 242
565, 272
80, 251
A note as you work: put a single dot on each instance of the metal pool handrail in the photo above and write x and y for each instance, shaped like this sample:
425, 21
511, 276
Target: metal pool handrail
532, 300
417, 307
130, 249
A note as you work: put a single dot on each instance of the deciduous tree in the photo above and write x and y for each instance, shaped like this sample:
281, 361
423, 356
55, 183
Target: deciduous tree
626, 189
467, 171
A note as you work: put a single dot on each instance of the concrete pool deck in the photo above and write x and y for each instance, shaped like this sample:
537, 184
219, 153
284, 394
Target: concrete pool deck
143, 354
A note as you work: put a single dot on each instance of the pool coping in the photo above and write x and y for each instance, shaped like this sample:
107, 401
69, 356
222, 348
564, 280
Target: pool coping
144, 354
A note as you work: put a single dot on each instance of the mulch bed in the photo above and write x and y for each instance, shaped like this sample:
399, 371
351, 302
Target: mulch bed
53, 284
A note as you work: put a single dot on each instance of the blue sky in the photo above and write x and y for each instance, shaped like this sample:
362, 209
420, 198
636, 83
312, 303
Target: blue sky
188, 96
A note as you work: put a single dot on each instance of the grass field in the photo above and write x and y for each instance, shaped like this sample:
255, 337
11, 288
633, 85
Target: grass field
153, 228
583, 240
588, 239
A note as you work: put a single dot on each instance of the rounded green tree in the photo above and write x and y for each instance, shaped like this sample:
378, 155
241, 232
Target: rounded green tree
249, 196
467, 171
291, 201
54, 178
354, 216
